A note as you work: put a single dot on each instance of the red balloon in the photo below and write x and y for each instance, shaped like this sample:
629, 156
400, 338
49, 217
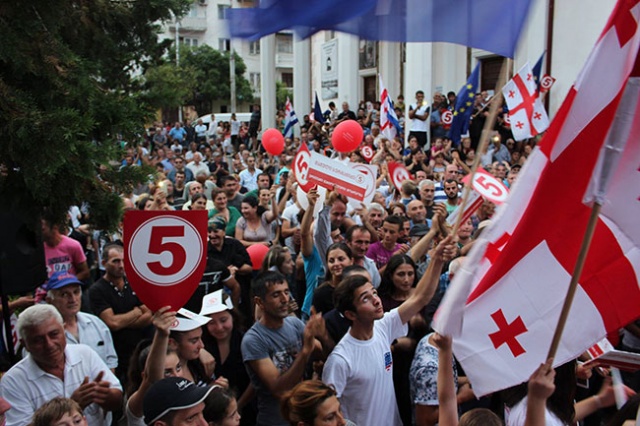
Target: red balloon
257, 252
273, 141
347, 136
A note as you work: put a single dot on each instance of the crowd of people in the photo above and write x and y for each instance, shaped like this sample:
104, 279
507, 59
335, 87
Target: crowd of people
332, 328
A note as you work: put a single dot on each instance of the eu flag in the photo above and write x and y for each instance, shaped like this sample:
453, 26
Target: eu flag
317, 112
537, 70
464, 107
492, 25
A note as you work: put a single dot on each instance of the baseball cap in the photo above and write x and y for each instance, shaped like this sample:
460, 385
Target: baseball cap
419, 230
61, 279
213, 303
171, 394
218, 223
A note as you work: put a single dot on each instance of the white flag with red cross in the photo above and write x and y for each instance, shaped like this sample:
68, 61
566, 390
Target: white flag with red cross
527, 114
504, 303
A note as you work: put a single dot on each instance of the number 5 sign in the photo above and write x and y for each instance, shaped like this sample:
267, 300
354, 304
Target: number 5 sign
165, 255
488, 186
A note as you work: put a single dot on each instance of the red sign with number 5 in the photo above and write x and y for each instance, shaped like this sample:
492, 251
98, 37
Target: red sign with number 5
165, 254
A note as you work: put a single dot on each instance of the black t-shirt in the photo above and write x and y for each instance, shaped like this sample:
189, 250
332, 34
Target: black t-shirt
323, 298
104, 296
349, 114
232, 253
212, 280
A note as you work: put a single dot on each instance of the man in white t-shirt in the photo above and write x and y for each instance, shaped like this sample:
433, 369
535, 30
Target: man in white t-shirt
360, 367
419, 113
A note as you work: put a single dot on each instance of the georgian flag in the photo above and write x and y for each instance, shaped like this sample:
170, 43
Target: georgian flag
289, 119
504, 303
389, 124
528, 116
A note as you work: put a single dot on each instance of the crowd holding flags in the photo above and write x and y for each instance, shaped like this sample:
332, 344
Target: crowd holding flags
290, 119
502, 307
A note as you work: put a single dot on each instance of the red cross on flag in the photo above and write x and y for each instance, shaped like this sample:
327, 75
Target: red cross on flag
504, 303
528, 117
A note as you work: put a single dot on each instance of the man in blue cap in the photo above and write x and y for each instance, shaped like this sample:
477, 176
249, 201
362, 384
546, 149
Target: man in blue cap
64, 291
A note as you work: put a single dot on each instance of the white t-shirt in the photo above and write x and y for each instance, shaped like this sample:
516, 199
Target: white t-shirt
235, 128
516, 415
420, 125
291, 214
362, 374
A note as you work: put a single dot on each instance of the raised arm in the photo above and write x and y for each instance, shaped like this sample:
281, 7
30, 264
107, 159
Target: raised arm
305, 224
154, 367
540, 388
429, 282
447, 403
273, 214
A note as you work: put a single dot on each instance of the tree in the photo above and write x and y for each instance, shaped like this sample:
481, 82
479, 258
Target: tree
282, 92
212, 77
67, 94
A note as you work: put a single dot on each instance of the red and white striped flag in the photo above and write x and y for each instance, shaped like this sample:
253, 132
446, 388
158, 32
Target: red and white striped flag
527, 114
504, 303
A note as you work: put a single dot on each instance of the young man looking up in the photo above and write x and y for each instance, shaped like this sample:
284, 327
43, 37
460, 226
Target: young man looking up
360, 367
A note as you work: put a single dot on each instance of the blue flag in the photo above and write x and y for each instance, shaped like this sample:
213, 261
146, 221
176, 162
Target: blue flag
464, 107
492, 25
317, 112
537, 70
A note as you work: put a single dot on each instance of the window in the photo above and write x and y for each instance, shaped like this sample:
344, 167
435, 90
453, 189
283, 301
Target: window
254, 48
287, 79
193, 11
254, 79
224, 44
192, 42
490, 72
284, 43
222, 10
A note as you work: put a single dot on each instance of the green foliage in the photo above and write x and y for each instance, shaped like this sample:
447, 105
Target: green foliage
210, 77
167, 86
67, 92
282, 92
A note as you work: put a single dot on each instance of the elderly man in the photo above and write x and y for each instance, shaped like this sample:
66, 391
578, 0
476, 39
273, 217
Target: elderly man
64, 291
54, 369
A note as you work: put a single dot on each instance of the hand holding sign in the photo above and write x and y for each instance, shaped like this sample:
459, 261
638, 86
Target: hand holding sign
488, 186
165, 255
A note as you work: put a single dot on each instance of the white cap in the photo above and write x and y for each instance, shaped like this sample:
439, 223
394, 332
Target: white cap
213, 303
188, 321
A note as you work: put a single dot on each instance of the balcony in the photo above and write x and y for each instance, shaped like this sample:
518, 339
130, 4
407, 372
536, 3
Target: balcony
191, 23
284, 60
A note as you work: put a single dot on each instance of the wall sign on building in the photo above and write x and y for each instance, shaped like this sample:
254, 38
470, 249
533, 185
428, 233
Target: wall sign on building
329, 67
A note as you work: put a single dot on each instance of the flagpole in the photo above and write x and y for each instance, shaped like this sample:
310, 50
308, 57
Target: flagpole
484, 138
573, 285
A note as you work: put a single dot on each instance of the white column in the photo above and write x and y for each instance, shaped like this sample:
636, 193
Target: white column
268, 81
450, 69
389, 66
417, 76
302, 77
348, 79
